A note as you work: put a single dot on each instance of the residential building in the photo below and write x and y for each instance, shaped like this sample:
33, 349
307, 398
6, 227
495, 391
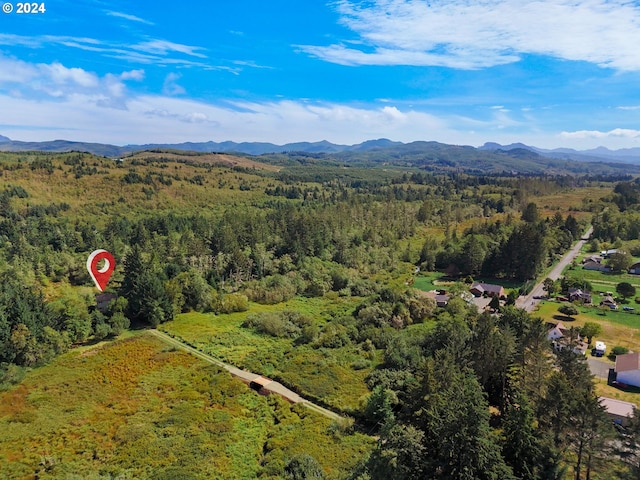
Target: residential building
628, 369
488, 289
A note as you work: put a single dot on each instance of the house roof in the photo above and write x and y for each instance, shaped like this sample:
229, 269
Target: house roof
577, 292
617, 407
487, 287
608, 300
437, 295
593, 265
627, 362
556, 331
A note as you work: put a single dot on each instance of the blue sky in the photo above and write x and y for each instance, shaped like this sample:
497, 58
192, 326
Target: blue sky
549, 73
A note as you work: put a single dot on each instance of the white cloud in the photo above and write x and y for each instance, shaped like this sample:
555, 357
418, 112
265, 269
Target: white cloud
60, 74
171, 87
164, 47
55, 80
615, 133
132, 18
471, 35
155, 51
153, 119
137, 75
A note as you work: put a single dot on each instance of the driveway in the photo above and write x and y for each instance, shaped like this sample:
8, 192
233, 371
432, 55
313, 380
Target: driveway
599, 368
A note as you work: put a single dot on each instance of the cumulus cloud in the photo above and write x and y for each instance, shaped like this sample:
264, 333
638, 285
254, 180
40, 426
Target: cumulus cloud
615, 133
56, 80
471, 35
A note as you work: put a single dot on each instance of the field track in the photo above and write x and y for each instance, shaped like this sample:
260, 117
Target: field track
248, 377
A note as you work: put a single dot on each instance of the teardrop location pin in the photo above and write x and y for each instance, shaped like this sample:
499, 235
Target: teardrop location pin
102, 275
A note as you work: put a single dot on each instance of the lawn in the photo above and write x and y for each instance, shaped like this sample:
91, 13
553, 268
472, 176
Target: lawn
429, 281
135, 408
618, 328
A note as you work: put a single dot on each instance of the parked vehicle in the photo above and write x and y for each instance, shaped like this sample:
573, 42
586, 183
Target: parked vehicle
600, 349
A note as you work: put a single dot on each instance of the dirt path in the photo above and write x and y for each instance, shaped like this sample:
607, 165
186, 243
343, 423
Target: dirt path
529, 303
248, 377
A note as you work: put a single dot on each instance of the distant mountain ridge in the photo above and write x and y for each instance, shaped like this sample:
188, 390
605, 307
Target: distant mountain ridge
249, 148
626, 155
600, 154
516, 158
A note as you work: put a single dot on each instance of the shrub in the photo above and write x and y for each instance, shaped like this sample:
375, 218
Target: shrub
360, 364
334, 336
271, 289
617, 350
285, 324
234, 302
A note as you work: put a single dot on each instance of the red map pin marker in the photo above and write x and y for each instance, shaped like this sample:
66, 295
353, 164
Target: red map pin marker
102, 275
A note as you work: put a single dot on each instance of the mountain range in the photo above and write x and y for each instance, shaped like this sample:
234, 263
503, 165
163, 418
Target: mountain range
600, 154
490, 157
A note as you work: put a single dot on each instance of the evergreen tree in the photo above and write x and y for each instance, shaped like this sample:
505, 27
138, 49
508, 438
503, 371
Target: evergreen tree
145, 291
399, 454
492, 351
628, 447
450, 409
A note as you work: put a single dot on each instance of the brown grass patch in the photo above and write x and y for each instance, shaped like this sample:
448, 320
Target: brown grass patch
223, 159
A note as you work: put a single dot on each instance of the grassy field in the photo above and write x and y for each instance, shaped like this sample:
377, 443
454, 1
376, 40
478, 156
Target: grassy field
134, 408
570, 201
618, 328
100, 189
334, 376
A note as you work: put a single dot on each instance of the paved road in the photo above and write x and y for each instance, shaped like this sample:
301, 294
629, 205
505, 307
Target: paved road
247, 377
529, 303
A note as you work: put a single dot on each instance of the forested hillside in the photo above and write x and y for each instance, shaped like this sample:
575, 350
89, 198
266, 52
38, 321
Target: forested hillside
305, 272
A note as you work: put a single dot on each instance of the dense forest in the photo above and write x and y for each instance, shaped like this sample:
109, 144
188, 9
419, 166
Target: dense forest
453, 393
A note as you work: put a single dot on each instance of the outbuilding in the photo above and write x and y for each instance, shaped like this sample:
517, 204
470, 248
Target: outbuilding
620, 412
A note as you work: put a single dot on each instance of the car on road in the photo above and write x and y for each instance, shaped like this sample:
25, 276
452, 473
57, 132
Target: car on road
628, 309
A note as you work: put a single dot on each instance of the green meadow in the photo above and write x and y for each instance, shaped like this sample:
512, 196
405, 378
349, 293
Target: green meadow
333, 376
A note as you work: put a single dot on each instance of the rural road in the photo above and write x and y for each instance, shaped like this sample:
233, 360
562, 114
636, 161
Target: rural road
248, 377
528, 302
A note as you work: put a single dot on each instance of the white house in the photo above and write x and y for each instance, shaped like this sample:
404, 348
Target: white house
628, 369
560, 338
